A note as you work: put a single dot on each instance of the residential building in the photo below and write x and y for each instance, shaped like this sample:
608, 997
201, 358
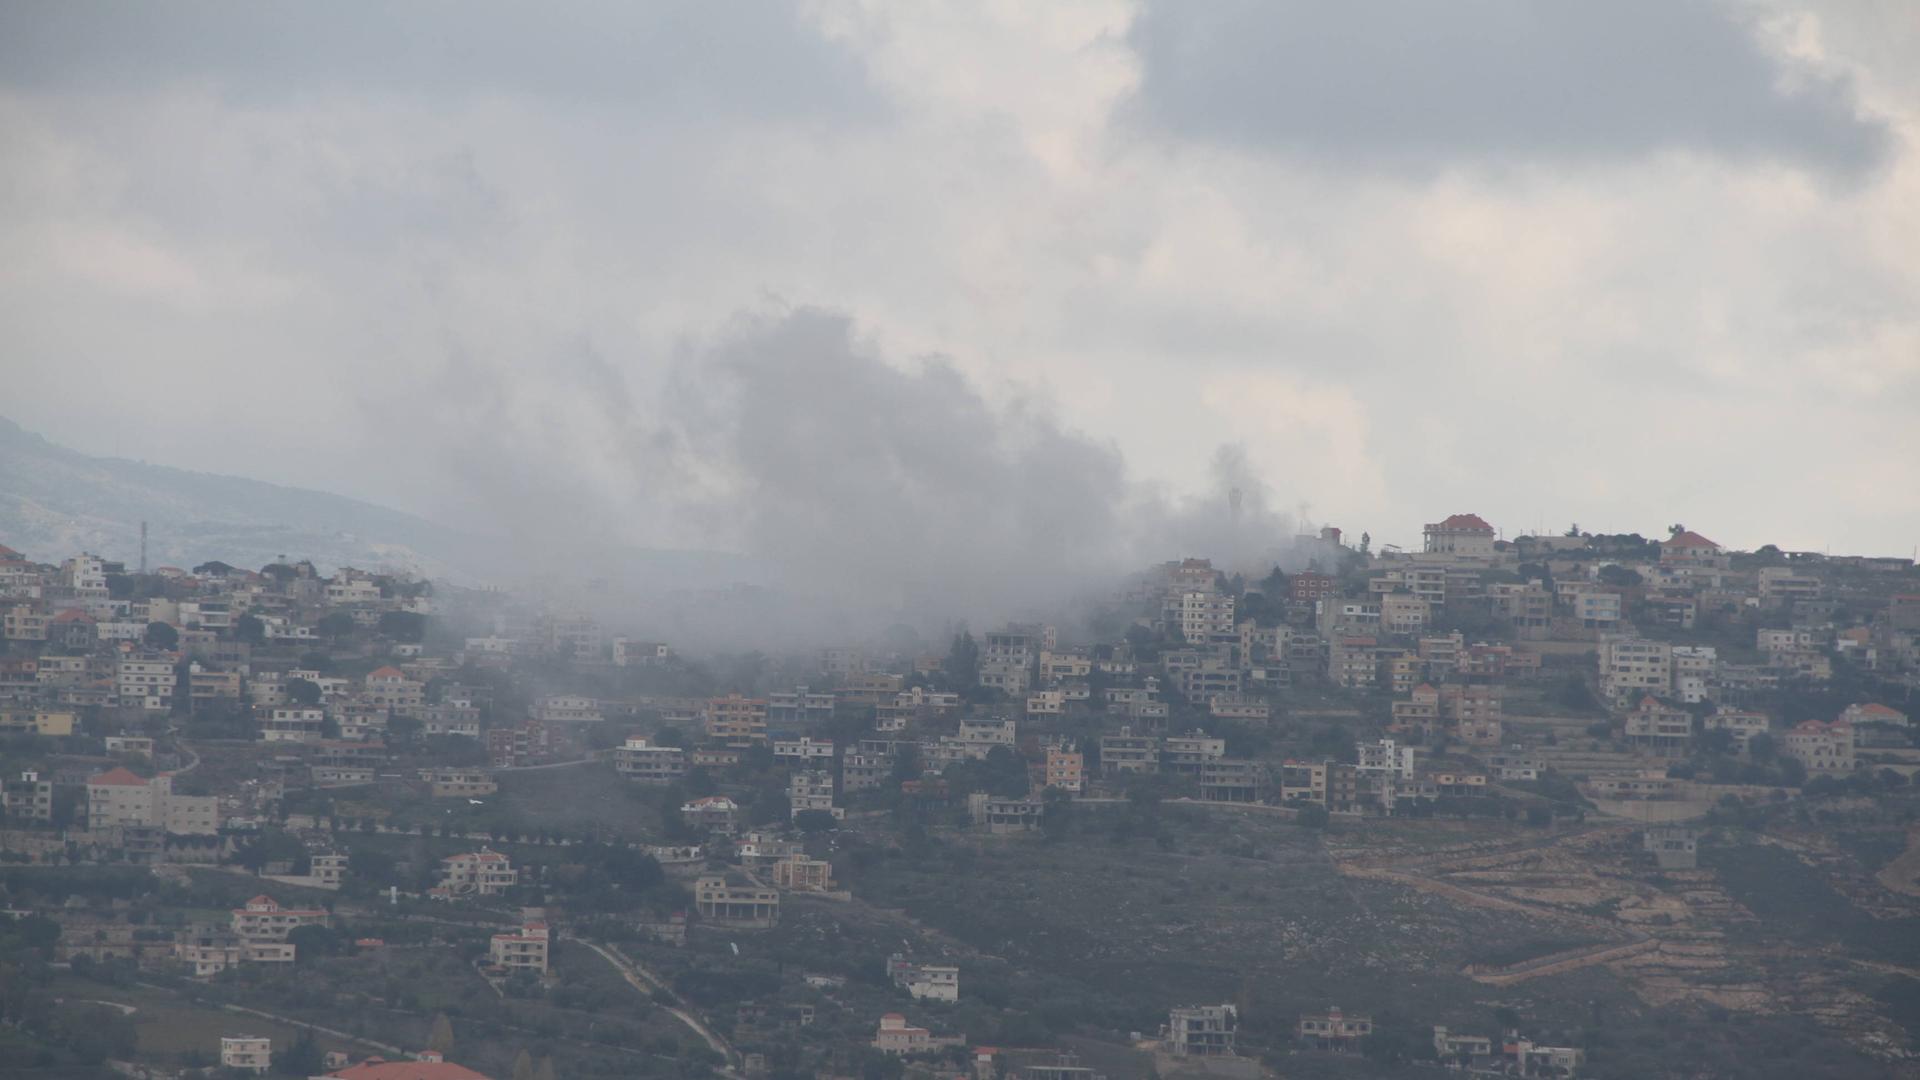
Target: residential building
246, 1053
477, 873
28, 799
638, 759
1673, 847
121, 798
1128, 753
1821, 747
800, 873
567, 709
262, 926
1066, 769
812, 790
896, 1036
1631, 668
524, 949
736, 900
1461, 534
1201, 1030
736, 721
1003, 815
1386, 756
798, 709
1660, 728
455, 783
712, 814
804, 751
926, 982
1334, 1030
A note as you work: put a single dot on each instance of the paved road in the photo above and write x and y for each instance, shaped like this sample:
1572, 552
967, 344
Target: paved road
645, 981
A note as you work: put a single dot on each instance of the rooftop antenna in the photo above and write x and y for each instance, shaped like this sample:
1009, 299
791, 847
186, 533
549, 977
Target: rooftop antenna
143, 547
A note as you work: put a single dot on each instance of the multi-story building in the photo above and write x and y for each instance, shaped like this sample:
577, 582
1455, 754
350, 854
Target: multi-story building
449, 782
1334, 1030
1203, 617
736, 721
246, 1053
1742, 724
1186, 755
293, 723
1659, 728
736, 900
1201, 1030
1066, 769
524, 949
1128, 753
146, 681
811, 790
389, 688
638, 759
1385, 756
29, 798
567, 709
477, 873
1461, 534
804, 751
926, 982
1821, 747
1631, 668
799, 873
120, 798
263, 925
798, 709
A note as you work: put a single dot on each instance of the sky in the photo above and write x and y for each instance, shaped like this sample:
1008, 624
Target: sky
872, 287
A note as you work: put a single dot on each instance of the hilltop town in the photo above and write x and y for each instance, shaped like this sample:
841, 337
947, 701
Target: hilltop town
1560, 805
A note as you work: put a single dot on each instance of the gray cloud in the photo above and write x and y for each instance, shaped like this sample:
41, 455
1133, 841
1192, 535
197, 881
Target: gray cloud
757, 58
1407, 83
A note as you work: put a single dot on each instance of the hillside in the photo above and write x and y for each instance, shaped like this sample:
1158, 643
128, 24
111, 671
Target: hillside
55, 501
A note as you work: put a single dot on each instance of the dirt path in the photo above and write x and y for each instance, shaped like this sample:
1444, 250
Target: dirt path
1900, 874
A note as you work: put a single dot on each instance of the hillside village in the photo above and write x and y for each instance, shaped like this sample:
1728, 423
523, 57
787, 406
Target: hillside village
1566, 789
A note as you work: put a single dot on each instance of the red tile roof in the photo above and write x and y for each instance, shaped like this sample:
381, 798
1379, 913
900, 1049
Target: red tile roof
388, 672
120, 776
1689, 539
1473, 522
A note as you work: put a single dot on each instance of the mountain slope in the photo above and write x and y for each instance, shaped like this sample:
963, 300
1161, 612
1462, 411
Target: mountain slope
55, 501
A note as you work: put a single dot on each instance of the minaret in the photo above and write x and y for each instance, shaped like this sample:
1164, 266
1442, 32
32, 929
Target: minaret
143, 547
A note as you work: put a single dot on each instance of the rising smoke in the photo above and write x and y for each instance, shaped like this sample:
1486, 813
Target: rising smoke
860, 490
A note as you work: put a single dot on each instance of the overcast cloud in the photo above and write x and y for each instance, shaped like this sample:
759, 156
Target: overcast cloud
961, 280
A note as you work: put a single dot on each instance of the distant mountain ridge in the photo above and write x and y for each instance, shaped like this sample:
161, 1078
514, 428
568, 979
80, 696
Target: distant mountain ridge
55, 501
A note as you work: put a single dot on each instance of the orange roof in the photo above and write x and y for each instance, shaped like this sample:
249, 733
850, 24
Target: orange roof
387, 672
381, 1069
1877, 709
119, 776
1473, 522
1689, 538
72, 615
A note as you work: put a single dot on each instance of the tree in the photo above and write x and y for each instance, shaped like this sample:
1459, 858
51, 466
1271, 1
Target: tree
312, 942
442, 1037
251, 629
523, 1066
337, 625
409, 626
963, 661
303, 692
160, 635
545, 1071
302, 1057
815, 821
1621, 577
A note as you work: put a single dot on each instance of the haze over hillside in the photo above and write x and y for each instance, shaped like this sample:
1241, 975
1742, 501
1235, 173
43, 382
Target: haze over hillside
55, 501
